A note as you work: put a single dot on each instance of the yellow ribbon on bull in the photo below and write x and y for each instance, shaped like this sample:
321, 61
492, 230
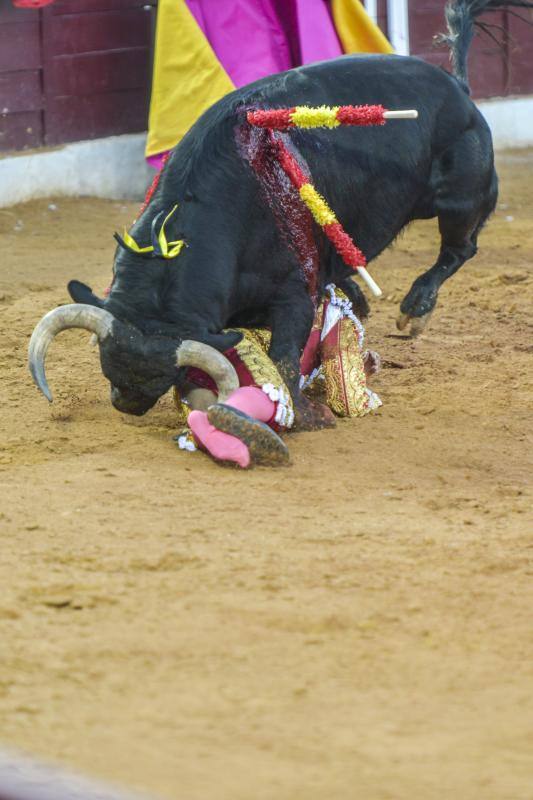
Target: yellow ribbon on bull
167, 249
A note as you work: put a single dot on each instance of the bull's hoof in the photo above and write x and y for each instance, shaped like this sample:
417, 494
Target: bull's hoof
417, 324
417, 305
266, 448
310, 416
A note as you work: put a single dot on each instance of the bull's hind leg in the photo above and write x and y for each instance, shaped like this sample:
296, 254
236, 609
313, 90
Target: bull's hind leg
465, 190
457, 246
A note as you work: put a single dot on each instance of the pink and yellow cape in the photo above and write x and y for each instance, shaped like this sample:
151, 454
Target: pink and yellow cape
207, 48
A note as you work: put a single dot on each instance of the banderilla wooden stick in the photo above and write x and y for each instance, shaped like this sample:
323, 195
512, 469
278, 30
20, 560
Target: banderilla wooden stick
410, 113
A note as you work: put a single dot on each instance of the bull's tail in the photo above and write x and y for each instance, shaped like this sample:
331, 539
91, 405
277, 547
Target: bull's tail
461, 16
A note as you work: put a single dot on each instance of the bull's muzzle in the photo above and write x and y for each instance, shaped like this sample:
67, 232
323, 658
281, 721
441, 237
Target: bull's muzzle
103, 324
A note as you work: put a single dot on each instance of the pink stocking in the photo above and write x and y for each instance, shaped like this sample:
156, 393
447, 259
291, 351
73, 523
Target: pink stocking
253, 402
223, 446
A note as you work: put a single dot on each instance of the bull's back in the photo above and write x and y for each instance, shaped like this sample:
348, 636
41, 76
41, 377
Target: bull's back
389, 80
376, 178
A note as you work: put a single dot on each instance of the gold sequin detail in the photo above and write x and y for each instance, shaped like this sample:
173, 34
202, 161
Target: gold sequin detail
344, 373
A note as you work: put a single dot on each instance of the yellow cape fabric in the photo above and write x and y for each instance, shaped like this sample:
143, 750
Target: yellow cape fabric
187, 78
357, 32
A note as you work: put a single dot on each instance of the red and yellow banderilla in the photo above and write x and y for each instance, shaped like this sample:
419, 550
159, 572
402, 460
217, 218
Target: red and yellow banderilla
282, 119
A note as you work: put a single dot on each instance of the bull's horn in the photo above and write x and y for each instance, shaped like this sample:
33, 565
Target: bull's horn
76, 315
210, 361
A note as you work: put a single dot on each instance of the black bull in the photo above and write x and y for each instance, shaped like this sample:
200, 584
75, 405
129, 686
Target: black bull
248, 241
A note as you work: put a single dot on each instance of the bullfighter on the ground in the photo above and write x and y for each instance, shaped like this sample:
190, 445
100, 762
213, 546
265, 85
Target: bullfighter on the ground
334, 370
242, 429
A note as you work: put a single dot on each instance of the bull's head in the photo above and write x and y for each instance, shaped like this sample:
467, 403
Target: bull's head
140, 368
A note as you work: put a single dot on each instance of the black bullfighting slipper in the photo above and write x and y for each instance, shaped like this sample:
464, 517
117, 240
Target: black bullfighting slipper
266, 447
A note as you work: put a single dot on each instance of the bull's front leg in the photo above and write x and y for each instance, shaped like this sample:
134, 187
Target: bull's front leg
291, 319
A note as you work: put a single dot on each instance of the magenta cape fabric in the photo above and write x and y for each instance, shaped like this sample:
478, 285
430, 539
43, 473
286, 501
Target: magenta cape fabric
254, 38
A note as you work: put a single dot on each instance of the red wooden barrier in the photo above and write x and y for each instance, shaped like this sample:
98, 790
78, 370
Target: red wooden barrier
78, 69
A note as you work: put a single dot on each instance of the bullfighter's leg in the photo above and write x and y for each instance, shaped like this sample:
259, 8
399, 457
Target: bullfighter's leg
291, 319
237, 430
465, 189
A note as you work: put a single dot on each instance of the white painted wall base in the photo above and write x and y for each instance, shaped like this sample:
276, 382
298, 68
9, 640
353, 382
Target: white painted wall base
510, 120
114, 168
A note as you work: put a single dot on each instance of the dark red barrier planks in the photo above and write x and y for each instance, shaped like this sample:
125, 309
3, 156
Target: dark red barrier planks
70, 119
521, 53
21, 98
95, 73
61, 7
382, 15
20, 91
9, 13
487, 69
21, 130
69, 34
96, 57
20, 46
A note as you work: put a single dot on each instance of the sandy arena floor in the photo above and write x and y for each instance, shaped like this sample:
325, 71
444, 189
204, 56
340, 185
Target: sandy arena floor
358, 625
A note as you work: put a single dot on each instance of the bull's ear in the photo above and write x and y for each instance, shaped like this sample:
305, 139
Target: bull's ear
81, 293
